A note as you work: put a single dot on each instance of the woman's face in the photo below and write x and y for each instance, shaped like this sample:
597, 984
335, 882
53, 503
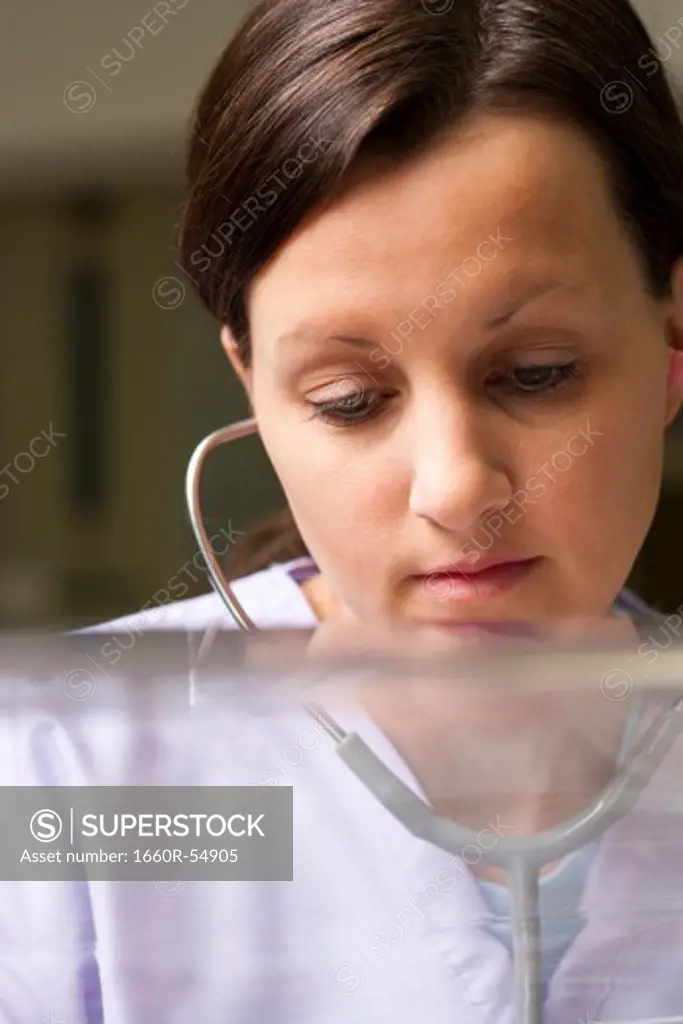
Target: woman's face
455, 363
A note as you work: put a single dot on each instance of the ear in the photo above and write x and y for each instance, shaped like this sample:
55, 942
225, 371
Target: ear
231, 350
674, 330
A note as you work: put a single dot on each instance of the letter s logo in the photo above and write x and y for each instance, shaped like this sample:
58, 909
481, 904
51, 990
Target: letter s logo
45, 826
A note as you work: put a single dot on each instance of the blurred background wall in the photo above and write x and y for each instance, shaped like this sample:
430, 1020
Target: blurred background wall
111, 372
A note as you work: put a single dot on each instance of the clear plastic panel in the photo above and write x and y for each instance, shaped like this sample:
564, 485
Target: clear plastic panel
486, 825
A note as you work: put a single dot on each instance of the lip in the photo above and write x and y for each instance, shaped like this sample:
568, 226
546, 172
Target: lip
459, 583
469, 569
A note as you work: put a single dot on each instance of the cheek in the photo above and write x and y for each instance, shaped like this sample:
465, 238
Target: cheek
601, 508
347, 506
336, 500
605, 495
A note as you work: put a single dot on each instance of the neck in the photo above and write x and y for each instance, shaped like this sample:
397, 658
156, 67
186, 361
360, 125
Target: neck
527, 763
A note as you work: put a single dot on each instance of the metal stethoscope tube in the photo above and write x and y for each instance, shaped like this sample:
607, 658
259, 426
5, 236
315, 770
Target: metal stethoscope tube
522, 857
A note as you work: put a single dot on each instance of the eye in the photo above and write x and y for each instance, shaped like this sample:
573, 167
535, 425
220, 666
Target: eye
539, 381
346, 407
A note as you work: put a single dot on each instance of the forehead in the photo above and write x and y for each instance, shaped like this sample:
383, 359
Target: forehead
394, 231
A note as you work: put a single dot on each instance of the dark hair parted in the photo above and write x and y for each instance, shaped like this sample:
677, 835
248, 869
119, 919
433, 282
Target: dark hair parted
306, 88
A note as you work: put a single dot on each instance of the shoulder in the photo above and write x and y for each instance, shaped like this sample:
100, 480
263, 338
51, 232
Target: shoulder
271, 598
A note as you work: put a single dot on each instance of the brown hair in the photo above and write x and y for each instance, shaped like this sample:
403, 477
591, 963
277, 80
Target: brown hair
306, 88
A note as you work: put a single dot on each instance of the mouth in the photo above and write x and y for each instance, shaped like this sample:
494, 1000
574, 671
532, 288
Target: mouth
455, 584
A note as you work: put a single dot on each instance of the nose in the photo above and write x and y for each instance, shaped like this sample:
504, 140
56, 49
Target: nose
459, 471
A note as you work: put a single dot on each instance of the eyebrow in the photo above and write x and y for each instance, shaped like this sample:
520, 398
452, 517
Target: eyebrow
308, 332
529, 294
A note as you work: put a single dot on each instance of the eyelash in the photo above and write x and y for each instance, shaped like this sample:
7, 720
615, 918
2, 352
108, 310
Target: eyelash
333, 412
